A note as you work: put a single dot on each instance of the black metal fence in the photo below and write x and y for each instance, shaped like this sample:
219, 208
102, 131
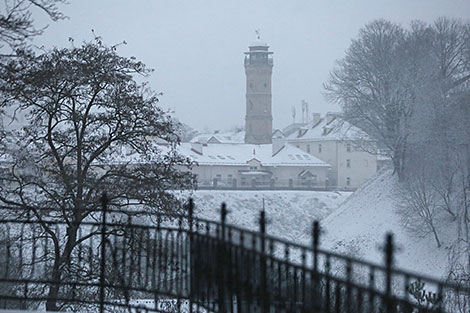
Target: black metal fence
131, 261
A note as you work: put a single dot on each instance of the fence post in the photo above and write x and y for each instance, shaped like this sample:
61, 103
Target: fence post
388, 267
315, 243
191, 254
104, 203
263, 292
222, 266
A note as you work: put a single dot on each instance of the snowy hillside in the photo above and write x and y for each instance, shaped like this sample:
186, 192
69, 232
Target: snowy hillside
290, 213
359, 227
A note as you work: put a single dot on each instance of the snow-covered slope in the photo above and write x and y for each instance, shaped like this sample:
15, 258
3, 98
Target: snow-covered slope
290, 214
360, 224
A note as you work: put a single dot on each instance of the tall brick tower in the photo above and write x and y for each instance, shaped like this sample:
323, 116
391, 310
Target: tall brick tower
258, 69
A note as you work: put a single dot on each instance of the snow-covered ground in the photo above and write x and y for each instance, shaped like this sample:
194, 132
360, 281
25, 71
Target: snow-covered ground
290, 214
360, 225
352, 223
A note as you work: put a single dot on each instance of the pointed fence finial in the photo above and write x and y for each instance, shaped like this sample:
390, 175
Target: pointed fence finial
223, 212
262, 221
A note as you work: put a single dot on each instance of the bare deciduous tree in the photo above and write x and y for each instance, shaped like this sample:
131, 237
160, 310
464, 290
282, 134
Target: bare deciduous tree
17, 24
90, 128
421, 209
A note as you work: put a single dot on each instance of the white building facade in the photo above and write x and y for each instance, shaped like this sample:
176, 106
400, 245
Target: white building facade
255, 166
349, 151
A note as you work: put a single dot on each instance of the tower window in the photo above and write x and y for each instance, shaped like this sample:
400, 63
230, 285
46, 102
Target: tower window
348, 163
308, 148
348, 147
251, 86
319, 148
265, 85
348, 181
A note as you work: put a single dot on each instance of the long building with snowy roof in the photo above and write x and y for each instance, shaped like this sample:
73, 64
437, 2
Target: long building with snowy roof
252, 165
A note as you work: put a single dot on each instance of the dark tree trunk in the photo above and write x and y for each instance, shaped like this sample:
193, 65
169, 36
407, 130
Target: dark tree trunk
51, 303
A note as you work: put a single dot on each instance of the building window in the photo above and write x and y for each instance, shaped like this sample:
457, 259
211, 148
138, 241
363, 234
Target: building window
319, 148
218, 177
308, 148
348, 163
229, 178
348, 181
348, 147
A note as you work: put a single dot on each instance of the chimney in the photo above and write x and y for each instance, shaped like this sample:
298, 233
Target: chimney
278, 143
330, 116
197, 147
315, 118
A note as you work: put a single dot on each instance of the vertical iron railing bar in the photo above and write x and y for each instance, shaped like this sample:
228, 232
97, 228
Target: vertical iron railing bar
263, 284
316, 302
295, 288
348, 285
242, 272
124, 252
20, 249
147, 257
338, 298
104, 204
231, 269
388, 254
181, 263
130, 278
221, 260
303, 279
359, 300
191, 264
328, 284
33, 252
288, 296
371, 295
168, 251
208, 268
159, 243
154, 259
139, 256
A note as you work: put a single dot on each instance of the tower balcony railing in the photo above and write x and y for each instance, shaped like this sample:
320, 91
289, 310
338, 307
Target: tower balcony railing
252, 61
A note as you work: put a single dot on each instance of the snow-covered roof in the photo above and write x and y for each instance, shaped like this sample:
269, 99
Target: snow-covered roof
331, 127
240, 154
227, 137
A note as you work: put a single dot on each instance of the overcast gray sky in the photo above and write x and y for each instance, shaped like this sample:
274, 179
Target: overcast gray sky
196, 47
